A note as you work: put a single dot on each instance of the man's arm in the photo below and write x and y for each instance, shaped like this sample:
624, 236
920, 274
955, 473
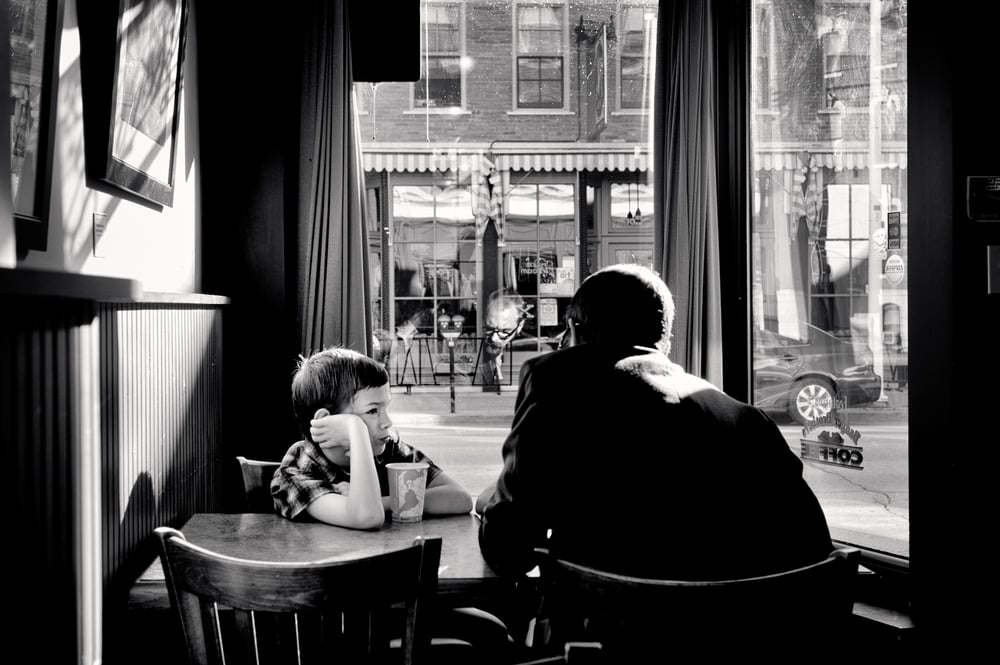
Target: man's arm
512, 523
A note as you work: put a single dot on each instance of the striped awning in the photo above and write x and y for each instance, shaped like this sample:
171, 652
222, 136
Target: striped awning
540, 157
533, 157
848, 158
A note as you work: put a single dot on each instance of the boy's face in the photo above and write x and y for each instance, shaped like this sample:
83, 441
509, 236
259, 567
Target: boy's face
372, 406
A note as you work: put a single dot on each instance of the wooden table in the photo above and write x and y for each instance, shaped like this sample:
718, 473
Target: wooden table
463, 576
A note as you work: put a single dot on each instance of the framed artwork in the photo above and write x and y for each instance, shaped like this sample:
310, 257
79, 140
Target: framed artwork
141, 146
34, 54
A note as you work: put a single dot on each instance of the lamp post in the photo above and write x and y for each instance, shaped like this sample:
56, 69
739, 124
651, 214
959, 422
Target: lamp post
451, 328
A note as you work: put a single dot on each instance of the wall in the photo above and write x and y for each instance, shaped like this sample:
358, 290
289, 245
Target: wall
160, 247
490, 88
954, 359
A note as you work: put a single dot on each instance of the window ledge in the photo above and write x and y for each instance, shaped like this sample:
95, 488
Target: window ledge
541, 112
445, 111
883, 617
629, 112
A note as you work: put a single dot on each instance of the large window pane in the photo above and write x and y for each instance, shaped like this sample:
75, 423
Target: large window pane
539, 51
440, 83
829, 325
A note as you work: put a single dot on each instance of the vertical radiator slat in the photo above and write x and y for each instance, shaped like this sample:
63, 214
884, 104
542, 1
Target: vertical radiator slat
161, 431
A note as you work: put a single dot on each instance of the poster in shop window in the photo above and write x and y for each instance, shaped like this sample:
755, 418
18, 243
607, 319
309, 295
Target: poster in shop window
548, 312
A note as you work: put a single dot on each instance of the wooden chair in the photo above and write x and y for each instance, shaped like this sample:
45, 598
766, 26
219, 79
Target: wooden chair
239, 611
257, 476
788, 614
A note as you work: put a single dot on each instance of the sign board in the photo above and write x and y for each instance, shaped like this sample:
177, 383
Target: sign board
879, 243
548, 312
833, 441
894, 269
982, 198
894, 231
597, 87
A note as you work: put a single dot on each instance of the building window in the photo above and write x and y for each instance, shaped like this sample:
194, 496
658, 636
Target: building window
845, 40
763, 48
539, 261
633, 57
440, 84
540, 56
435, 262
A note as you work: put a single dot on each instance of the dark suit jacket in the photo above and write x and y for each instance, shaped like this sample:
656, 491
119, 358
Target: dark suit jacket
643, 469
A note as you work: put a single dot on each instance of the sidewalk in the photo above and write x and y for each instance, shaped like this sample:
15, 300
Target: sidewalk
431, 405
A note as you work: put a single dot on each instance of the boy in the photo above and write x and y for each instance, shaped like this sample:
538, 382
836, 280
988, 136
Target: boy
337, 473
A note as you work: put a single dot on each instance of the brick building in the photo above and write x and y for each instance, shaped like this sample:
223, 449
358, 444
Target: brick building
517, 164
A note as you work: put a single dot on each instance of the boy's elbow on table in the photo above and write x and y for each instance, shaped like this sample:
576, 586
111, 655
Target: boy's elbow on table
447, 500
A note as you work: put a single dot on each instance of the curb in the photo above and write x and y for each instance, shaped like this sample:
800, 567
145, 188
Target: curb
453, 419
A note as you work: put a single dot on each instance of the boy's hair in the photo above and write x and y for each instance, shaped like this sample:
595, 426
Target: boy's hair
329, 379
623, 304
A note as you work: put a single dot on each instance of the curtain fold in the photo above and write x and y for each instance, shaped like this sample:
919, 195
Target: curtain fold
333, 287
686, 249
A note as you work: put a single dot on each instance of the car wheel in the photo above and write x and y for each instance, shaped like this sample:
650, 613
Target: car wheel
810, 399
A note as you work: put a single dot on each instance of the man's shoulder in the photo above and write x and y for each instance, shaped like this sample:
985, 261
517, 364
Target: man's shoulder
582, 357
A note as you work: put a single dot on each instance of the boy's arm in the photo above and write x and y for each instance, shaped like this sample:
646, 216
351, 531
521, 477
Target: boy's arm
444, 496
361, 508
485, 496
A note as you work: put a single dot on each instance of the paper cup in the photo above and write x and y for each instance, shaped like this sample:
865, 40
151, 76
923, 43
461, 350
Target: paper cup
407, 482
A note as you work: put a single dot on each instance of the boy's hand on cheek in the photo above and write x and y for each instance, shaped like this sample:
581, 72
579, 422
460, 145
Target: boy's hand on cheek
332, 431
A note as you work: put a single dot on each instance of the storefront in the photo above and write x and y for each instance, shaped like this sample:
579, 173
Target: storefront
499, 238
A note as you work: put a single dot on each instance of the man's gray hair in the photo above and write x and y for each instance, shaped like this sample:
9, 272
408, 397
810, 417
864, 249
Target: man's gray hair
624, 304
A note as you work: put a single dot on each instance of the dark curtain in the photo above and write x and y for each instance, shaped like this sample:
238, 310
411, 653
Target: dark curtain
733, 25
334, 305
686, 182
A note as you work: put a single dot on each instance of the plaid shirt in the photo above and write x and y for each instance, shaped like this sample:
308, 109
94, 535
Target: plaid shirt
306, 474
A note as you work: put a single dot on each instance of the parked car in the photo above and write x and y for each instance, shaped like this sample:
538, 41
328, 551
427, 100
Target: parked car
804, 377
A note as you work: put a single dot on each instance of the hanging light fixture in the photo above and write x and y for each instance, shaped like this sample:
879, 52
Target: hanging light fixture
628, 217
638, 213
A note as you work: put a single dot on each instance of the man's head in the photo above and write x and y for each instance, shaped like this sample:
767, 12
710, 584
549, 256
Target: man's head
623, 304
505, 316
333, 379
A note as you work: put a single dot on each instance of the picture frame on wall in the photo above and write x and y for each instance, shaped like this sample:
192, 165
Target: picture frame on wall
34, 28
140, 146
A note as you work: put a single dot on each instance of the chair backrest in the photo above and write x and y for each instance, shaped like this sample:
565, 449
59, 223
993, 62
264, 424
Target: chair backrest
257, 476
784, 613
239, 611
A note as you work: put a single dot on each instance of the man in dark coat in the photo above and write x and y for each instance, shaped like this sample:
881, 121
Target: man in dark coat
619, 459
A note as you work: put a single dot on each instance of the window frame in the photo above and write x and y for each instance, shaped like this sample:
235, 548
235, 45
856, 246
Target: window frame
389, 291
460, 54
766, 8
565, 54
620, 34
540, 180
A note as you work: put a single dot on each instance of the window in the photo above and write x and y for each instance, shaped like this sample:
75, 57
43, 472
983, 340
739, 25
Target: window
829, 290
539, 261
434, 256
440, 84
845, 41
540, 56
633, 57
763, 47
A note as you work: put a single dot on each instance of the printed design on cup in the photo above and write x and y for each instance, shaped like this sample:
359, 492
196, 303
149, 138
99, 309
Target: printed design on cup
409, 487
407, 482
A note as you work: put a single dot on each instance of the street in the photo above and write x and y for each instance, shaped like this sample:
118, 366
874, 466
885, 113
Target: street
869, 507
